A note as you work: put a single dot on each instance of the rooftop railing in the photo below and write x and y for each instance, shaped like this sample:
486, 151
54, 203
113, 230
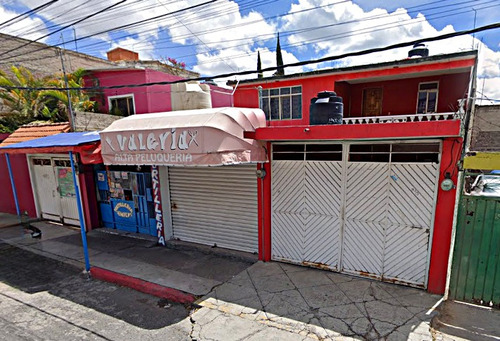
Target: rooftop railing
403, 118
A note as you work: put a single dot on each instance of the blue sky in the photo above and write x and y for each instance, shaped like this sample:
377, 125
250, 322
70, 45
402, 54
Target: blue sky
225, 36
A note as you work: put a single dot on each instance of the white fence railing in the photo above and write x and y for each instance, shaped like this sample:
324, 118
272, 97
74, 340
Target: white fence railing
402, 118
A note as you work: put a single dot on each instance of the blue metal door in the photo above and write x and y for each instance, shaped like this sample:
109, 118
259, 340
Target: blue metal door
143, 200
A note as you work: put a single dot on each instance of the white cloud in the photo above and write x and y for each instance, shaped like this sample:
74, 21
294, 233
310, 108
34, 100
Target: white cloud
378, 28
19, 28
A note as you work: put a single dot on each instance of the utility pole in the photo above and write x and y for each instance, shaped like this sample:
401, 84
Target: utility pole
71, 117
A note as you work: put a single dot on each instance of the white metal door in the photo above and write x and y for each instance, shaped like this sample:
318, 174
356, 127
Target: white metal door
372, 218
46, 188
365, 218
215, 206
306, 200
66, 191
412, 194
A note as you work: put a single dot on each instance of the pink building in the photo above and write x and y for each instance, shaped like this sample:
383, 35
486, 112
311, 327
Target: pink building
146, 99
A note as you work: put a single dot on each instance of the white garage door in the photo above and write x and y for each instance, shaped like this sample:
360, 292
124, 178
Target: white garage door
359, 208
215, 206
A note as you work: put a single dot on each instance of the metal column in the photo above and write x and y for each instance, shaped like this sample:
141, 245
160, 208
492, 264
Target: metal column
80, 214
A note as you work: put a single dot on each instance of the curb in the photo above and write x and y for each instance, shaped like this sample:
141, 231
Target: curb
141, 285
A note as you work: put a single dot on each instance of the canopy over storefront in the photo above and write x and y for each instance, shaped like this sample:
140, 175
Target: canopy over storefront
87, 144
205, 137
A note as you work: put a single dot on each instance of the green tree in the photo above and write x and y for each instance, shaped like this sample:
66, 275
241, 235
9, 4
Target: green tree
259, 66
279, 59
80, 100
27, 103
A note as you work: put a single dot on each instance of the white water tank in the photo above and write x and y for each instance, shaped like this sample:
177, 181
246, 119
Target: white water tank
191, 95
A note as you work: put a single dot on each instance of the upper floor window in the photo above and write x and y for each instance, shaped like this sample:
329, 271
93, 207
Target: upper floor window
282, 103
427, 97
122, 105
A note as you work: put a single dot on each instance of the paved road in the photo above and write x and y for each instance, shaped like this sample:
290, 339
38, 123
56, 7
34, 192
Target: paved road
43, 299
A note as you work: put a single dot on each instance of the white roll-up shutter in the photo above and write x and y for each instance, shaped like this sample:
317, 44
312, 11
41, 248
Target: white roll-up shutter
215, 205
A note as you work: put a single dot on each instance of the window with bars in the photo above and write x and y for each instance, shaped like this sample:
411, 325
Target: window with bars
307, 152
282, 103
395, 152
427, 97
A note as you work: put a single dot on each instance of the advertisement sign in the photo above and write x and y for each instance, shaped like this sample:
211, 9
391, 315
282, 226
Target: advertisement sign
172, 146
155, 177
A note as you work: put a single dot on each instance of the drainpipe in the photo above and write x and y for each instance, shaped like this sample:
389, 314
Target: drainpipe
12, 184
80, 214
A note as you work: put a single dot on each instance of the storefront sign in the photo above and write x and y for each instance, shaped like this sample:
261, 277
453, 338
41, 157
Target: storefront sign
123, 210
155, 177
168, 147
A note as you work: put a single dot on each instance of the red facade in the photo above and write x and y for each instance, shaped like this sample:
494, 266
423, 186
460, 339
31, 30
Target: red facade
396, 87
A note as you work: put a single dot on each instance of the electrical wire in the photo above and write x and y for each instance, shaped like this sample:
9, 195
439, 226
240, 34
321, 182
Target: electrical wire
60, 29
273, 68
31, 11
119, 27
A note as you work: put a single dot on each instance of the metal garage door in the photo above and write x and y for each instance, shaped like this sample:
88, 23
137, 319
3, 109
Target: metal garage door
215, 206
380, 200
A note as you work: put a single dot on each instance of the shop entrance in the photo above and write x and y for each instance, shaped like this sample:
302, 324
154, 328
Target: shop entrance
126, 200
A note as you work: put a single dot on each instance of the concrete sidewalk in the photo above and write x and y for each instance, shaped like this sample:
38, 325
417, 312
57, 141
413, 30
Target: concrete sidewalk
245, 299
194, 271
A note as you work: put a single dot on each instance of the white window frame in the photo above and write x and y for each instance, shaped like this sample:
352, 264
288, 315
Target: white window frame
279, 96
122, 96
427, 91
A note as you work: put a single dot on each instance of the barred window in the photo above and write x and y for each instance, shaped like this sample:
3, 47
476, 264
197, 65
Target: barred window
282, 103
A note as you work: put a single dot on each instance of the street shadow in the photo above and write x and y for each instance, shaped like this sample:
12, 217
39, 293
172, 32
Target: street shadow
468, 321
32, 274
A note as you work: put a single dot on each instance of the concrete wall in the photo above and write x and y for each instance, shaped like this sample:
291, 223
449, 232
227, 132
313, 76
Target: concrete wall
22, 182
90, 121
486, 129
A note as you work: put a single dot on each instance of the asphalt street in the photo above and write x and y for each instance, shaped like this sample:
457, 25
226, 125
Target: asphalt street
30, 282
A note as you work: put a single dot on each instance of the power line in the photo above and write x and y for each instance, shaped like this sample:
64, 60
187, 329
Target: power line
311, 61
119, 27
348, 33
60, 29
31, 11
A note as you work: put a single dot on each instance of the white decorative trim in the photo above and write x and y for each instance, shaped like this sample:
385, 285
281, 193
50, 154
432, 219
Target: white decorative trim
402, 118
122, 96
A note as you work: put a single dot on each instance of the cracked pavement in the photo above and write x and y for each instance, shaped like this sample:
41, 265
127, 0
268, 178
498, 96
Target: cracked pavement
268, 299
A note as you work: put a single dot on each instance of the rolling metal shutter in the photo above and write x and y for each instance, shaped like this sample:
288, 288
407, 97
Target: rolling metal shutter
215, 205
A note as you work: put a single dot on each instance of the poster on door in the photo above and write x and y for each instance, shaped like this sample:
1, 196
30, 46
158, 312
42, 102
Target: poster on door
65, 182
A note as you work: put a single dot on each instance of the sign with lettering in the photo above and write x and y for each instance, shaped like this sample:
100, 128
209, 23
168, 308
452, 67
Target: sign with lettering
155, 177
123, 209
168, 147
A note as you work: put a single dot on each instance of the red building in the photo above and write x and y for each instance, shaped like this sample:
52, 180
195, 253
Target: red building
367, 196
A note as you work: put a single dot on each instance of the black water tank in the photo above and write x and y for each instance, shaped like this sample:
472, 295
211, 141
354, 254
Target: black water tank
327, 108
419, 50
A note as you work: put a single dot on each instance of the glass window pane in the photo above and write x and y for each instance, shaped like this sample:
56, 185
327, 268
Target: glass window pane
275, 108
265, 92
296, 90
296, 107
288, 147
431, 102
422, 100
285, 108
285, 91
428, 86
274, 92
265, 107
324, 147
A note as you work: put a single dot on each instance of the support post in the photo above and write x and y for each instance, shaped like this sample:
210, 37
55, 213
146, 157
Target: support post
80, 214
13, 185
